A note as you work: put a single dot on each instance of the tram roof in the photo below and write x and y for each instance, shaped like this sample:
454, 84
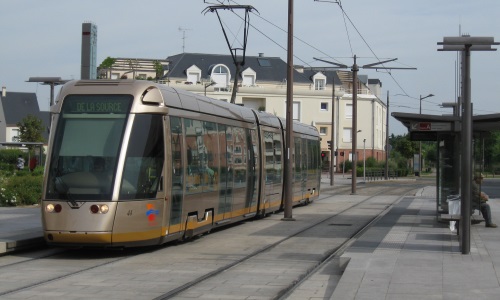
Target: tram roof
487, 122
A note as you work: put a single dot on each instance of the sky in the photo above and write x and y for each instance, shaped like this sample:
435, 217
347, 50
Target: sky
43, 38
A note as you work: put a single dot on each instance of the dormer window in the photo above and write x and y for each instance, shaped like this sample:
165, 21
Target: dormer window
193, 74
248, 77
319, 81
221, 75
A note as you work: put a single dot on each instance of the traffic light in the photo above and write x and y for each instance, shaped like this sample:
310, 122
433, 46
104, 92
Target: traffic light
342, 153
329, 145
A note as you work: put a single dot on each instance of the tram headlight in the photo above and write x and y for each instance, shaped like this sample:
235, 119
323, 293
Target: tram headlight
99, 209
51, 208
104, 209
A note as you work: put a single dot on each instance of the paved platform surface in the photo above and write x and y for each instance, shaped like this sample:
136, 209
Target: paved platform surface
20, 228
407, 254
411, 256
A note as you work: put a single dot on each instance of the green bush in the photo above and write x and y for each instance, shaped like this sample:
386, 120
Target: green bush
24, 188
348, 165
9, 156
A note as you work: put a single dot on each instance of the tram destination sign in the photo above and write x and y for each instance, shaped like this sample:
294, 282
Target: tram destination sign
97, 104
430, 126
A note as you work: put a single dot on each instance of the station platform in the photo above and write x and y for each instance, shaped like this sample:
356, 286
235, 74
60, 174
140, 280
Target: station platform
406, 254
20, 228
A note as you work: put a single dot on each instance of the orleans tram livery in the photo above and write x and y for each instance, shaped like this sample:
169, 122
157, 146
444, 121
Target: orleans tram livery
134, 163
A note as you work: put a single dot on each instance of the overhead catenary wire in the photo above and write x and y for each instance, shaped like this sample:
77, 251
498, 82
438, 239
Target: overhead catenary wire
345, 15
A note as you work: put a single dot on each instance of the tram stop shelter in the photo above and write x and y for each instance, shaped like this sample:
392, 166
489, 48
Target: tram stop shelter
445, 130
36, 145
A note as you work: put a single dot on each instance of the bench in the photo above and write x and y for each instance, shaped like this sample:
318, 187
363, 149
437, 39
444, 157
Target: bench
475, 219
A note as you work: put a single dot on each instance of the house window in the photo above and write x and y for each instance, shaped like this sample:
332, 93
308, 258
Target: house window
347, 135
15, 135
319, 84
249, 76
319, 80
193, 77
193, 74
220, 70
221, 75
324, 106
248, 80
348, 111
296, 111
323, 130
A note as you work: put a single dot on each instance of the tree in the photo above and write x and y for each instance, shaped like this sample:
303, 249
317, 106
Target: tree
107, 64
403, 145
158, 69
30, 130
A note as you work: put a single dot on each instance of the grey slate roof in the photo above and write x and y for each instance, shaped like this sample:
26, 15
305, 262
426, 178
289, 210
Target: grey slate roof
271, 69
18, 105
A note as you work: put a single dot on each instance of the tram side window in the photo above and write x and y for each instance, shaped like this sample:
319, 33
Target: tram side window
202, 164
278, 156
269, 157
144, 160
297, 159
253, 159
177, 174
240, 157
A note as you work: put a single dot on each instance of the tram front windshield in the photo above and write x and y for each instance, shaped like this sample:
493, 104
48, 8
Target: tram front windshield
86, 146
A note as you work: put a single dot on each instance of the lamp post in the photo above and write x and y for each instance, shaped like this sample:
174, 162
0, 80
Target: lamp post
332, 132
52, 81
466, 44
208, 85
420, 143
364, 160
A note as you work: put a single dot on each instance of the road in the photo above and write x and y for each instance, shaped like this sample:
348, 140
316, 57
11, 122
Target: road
264, 259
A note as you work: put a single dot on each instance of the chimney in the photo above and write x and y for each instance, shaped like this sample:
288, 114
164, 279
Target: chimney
4, 92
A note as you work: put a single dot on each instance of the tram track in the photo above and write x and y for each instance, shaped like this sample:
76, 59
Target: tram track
85, 262
327, 258
76, 256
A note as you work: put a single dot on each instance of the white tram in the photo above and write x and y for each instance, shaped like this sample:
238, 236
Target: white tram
134, 163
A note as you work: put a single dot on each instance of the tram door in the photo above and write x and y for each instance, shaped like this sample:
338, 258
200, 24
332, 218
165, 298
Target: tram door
177, 185
226, 177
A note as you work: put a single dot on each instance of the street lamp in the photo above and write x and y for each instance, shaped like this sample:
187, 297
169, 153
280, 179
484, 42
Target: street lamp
208, 85
420, 143
337, 94
52, 81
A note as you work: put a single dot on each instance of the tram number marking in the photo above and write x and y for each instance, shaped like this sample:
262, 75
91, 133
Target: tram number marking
129, 213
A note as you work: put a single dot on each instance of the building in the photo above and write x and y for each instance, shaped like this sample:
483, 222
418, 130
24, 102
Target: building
14, 107
89, 51
263, 87
135, 68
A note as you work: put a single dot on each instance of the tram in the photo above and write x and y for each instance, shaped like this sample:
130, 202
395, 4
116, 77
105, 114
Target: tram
134, 163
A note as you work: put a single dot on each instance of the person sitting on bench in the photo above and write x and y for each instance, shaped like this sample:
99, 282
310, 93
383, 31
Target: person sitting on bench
481, 198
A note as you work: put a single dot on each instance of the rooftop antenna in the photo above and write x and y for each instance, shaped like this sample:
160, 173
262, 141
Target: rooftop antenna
183, 37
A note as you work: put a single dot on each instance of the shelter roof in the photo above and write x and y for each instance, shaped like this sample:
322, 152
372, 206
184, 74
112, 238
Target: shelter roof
488, 122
